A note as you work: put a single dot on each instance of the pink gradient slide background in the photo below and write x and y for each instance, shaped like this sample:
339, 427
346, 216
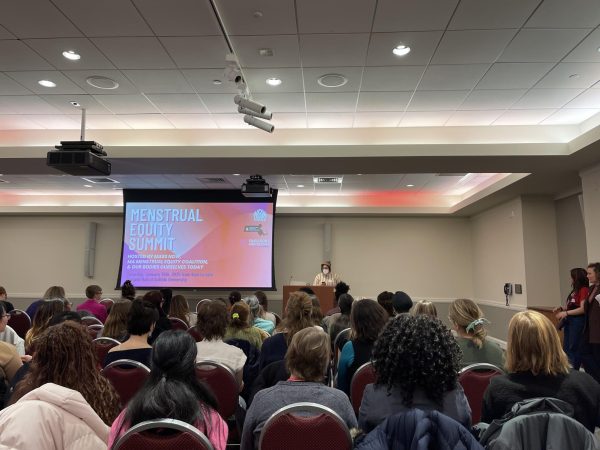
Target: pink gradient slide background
234, 256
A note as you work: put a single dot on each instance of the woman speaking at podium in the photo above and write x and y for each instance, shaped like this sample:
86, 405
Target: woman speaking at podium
325, 277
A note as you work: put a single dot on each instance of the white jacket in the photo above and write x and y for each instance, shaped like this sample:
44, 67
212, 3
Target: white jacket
52, 417
11, 337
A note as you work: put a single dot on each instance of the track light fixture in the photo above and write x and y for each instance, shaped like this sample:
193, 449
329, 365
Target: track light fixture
249, 104
267, 115
266, 126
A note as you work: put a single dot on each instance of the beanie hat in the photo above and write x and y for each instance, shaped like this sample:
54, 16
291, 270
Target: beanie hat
401, 302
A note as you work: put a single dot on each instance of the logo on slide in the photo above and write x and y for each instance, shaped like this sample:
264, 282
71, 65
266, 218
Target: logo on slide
260, 215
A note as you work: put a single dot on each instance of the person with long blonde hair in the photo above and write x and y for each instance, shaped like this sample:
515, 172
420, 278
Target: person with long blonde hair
115, 326
180, 309
537, 366
40, 321
468, 322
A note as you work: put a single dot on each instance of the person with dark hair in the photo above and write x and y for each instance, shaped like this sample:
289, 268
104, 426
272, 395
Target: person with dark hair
10, 359
401, 302
173, 391
264, 304
340, 288
40, 322
92, 304
340, 321
367, 319
234, 297
141, 319
325, 277
65, 316
307, 360
8, 335
8, 306
385, 300
167, 296
416, 360
163, 323
590, 349
180, 309
572, 315
128, 291
240, 327
307, 290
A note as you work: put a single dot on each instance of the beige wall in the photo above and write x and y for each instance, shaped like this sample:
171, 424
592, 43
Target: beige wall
590, 182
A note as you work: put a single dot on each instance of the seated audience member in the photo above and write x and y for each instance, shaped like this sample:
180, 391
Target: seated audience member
298, 312
155, 298
8, 335
257, 315
340, 321
401, 302
416, 359
173, 391
52, 293
128, 291
467, 321
385, 300
92, 303
40, 322
234, 297
367, 319
538, 367
264, 303
65, 355
240, 328
424, 307
8, 306
10, 360
181, 310
317, 314
140, 323
115, 326
212, 323
340, 288
307, 360
167, 296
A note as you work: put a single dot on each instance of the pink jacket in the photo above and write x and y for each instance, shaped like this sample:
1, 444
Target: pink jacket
52, 417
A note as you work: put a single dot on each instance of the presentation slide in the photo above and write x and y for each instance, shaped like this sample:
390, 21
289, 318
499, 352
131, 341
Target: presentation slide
198, 244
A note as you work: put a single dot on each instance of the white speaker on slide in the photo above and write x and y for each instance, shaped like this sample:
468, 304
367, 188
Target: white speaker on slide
90, 250
327, 242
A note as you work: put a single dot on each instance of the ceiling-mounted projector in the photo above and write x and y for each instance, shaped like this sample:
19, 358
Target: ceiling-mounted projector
256, 186
79, 158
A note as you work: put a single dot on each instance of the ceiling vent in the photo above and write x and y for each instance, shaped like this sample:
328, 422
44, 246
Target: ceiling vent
99, 180
450, 174
213, 180
327, 180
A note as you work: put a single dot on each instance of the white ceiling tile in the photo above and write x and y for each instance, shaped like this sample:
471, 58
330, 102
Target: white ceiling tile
284, 47
5, 34
391, 78
55, 122
191, 121
523, 117
570, 116
588, 99
472, 46
425, 119
541, 45
422, 46
326, 50
330, 120
513, 75
376, 119
276, 17
61, 102
383, 101
546, 98
146, 121
571, 75
331, 102
79, 77
159, 81
284, 102
436, 100
126, 104
312, 74
179, 17
197, 52
233, 121
24, 104
178, 103
105, 18
561, 14
103, 122
480, 100
8, 86
12, 122
30, 80
325, 16
202, 80
135, 52
15, 55
452, 77
291, 80
35, 19
52, 49
402, 15
586, 51
473, 118
289, 120
220, 103
475, 14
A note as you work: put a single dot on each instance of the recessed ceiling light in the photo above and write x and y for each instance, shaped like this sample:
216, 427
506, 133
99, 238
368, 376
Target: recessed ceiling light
236, 174
75, 104
217, 82
410, 185
87, 186
47, 83
574, 75
257, 14
401, 50
300, 186
70, 54
273, 81
102, 82
265, 52
332, 80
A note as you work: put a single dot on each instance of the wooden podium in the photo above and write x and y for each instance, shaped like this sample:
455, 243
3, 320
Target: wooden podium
547, 311
325, 294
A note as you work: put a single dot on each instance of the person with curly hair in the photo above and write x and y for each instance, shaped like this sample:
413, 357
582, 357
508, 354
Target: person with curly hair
417, 360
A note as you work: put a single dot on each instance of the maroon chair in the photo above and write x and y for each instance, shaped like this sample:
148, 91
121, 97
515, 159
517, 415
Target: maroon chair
223, 384
178, 324
474, 380
343, 335
302, 426
94, 330
195, 333
20, 322
108, 303
102, 346
200, 302
127, 377
163, 434
364, 375
90, 320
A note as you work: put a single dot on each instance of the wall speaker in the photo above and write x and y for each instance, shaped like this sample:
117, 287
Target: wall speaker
90, 250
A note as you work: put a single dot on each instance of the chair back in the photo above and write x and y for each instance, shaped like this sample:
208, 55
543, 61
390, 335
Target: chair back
102, 346
20, 322
364, 375
94, 330
127, 377
200, 302
108, 303
178, 324
474, 380
343, 335
163, 434
195, 333
90, 320
303, 426
223, 384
